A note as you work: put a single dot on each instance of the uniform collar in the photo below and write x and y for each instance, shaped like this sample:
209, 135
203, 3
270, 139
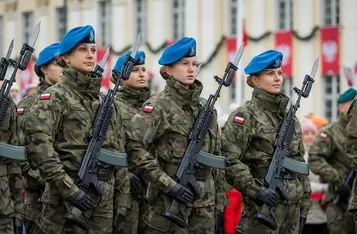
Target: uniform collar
42, 86
343, 120
136, 97
271, 103
190, 94
89, 83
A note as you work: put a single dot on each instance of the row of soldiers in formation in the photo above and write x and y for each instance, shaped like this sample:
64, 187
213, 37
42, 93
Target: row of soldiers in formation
55, 122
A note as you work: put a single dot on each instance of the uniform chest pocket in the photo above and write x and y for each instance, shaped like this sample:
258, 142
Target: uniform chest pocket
77, 121
264, 139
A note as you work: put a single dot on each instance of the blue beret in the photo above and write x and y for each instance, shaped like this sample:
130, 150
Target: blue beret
47, 54
82, 34
185, 47
347, 96
139, 60
268, 59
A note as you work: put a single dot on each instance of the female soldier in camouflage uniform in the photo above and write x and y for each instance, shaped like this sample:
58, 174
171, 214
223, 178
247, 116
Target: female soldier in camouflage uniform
158, 138
129, 100
58, 131
49, 73
248, 143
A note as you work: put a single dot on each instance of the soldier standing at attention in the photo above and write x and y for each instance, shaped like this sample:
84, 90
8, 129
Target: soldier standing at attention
158, 138
49, 73
57, 137
129, 100
248, 143
351, 147
11, 184
328, 159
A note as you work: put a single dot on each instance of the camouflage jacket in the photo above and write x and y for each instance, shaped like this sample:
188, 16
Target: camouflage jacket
11, 185
158, 138
248, 143
328, 156
351, 145
57, 132
23, 108
130, 101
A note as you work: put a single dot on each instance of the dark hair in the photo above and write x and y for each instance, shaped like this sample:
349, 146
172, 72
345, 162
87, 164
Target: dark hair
163, 72
39, 73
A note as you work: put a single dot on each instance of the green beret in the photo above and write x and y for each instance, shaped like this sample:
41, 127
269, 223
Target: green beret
347, 96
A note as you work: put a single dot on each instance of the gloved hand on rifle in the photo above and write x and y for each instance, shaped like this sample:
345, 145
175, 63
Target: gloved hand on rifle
81, 200
181, 194
267, 196
19, 226
135, 182
343, 191
219, 222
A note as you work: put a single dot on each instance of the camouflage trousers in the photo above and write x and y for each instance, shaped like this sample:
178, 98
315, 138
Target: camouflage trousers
134, 220
287, 220
200, 220
52, 220
6, 226
33, 209
339, 222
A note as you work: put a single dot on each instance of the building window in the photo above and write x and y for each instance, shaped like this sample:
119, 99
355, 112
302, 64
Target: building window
331, 12
178, 19
2, 35
27, 27
141, 19
60, 23
285, 9
287, 87
331, 90
105, 19
233, 17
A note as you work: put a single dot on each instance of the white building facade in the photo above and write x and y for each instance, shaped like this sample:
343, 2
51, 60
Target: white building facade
210, 22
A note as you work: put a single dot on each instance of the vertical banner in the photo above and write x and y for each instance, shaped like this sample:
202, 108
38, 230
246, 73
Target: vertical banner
231, 44
284, 44
107, 70
330, 50
24, 78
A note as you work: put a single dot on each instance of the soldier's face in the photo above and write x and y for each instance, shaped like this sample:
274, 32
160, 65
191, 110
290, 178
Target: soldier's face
53, 73
308, 137
344, 107
137, 77
82, 58
269, 80
184, 70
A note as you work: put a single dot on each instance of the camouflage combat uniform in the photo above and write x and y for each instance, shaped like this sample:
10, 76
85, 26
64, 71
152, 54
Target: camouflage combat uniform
11, 184
35, 185
56, 140
351, 145
156, 142
130, 101
248, 143
328, 159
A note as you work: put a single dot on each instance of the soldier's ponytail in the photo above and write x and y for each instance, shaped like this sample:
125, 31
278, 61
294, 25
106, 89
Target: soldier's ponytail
163, 73
249, 81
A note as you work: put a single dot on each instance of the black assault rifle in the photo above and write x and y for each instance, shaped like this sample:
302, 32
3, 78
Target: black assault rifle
280, 163
186, 172
87, 175
25, 56
341, 200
